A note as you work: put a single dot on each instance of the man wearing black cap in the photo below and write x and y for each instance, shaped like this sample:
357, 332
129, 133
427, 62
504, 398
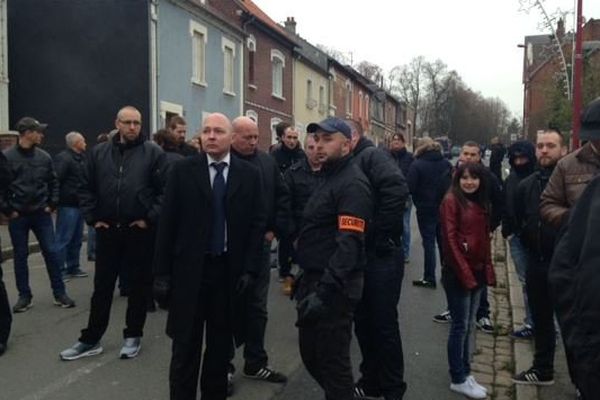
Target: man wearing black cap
30, 199
331, 255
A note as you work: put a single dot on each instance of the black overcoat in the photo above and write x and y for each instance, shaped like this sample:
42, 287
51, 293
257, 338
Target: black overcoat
183, 237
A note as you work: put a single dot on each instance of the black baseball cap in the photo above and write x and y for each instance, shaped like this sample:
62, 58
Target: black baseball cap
590, 121
331, 125
30, 124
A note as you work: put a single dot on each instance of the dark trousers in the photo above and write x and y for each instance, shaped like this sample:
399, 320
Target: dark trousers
255, 356
483, 311
542, 313
5, 314
41, 224
377, 329
131, 247
213, 313
287, 255
429, 227
325, 346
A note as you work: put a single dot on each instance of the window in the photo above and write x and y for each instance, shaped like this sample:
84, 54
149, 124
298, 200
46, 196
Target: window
199, 37
367, 106
251, 43
310, 102
321, 100
348, 99
360, 104
229, 66
274, 122
278, 64
253, 115
169, 110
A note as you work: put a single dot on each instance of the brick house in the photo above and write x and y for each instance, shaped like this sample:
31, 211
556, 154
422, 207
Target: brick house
542, 68
268, 66
350, 95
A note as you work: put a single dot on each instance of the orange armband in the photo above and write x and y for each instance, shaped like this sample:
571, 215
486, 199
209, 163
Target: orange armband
349, 223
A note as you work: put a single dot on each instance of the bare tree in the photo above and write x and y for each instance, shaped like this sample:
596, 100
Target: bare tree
406, 81
371, 71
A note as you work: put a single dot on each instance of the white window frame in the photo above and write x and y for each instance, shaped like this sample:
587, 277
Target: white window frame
251, 43
168, 107
360, 104
253, 115
277, 58
198, 71
274, 122
348, 99
321, 99
367, 106
228, 44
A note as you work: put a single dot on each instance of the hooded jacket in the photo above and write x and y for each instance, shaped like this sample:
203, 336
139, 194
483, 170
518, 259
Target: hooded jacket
522, 148
429, 176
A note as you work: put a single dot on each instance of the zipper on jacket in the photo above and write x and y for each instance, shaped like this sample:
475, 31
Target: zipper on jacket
119, 190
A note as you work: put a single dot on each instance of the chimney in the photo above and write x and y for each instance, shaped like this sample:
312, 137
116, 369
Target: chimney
560, 29
290, 25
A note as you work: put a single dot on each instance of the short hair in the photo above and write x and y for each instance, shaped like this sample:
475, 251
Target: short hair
103, 137
176, 120
552, 129
165, 139
399, 136
355, 126
127, 108
71, 138
281, 127
471, 143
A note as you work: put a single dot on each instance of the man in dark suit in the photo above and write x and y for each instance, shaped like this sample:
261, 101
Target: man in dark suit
208, 250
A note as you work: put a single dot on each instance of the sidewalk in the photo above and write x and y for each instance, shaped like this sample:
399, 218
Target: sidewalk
497, 356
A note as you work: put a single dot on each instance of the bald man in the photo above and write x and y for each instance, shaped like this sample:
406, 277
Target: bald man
209, 248
120, 196
277, 201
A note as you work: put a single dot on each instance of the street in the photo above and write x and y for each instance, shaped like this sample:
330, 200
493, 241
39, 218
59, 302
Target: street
31, 369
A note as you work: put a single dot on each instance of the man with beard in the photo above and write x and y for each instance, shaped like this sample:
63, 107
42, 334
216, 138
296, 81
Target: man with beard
521, 156
538, 238
178, 128
331, 255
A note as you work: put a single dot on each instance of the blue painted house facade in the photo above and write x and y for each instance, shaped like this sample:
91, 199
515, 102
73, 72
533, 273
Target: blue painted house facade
200, 63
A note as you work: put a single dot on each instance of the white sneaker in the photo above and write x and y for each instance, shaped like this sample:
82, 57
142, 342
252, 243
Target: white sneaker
468, 390
473, 382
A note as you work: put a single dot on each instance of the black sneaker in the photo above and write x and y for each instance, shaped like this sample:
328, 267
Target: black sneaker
534, 377
443, 318
80, 350
361, 393
78, 273
23, 304
425, 284
526, 332
484, 325
2, 348
64, 301
266, 374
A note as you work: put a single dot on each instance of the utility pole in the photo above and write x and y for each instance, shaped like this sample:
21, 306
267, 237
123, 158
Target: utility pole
577, 74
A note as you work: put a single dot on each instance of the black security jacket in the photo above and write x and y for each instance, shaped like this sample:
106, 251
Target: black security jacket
389, 190
123, 182
286, 157
70, 167
274, 190
322, 245
34, 185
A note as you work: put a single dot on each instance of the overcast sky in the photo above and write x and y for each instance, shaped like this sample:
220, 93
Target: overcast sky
477, 38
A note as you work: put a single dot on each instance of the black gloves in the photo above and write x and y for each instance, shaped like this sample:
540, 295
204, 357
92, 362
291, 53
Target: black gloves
161, 289
243, 283
310, 310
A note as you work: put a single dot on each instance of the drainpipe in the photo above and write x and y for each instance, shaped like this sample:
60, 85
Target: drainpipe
154, 114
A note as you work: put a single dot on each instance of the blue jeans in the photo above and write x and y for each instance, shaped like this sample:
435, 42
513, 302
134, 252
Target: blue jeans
520, 259
41, 224
429, 227
463, 305
69, 233
406, 232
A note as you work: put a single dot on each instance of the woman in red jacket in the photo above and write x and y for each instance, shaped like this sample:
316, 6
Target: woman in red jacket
465, 222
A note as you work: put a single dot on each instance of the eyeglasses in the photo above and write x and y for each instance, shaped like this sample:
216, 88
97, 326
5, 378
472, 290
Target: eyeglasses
131, 122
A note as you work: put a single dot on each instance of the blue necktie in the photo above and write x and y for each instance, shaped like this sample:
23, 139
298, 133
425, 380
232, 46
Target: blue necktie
217, 242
